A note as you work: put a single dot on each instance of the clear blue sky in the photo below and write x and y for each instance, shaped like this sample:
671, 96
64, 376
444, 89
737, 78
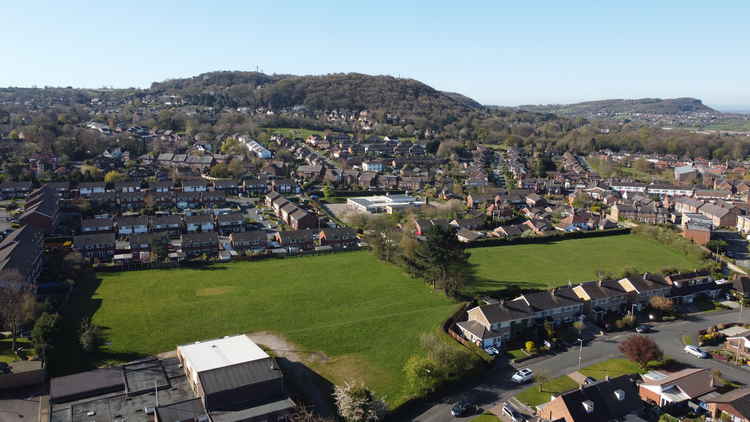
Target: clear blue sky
497, 52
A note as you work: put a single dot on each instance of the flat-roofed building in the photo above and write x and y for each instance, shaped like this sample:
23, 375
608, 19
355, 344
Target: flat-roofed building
383, 203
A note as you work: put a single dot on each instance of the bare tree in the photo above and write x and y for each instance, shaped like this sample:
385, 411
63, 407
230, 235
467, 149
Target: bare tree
16, 302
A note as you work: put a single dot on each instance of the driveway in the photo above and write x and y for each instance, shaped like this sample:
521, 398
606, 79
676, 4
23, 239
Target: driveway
496, 386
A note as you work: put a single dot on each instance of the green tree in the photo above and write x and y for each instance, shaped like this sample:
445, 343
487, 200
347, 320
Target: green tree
442, 260
113, 176
44, 335
422, 375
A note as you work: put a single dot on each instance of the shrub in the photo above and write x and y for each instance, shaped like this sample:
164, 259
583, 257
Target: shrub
530, 347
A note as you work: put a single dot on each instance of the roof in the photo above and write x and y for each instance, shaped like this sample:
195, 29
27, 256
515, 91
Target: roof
739, 399
550, 299
339, 233
253, 235
20, 249
253, 412
232, 377
218, 353
477, 329
79, 385
93, 239
741, 284
97, 222
602, 396
184, 410
694, 382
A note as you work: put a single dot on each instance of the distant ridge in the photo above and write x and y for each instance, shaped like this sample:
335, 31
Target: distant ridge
608, 107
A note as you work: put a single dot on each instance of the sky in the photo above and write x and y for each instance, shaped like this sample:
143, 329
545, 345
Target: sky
498, 52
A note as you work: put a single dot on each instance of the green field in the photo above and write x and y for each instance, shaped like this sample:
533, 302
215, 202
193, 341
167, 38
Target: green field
545, 265
365, 315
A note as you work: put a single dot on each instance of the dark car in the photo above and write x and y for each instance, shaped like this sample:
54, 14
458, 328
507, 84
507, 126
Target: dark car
512, 414
643, 328
462, 408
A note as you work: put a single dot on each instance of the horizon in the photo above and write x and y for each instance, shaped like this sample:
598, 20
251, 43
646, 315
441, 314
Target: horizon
495, 54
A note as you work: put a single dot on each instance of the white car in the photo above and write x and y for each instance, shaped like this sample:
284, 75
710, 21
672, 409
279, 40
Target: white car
695, 351
523, 375
492, 350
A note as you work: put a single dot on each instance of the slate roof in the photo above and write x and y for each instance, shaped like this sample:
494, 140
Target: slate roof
550, 299
84, 240
607, 407
239, 375
739, 399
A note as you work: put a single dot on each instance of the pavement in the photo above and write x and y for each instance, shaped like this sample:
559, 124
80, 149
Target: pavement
495, 388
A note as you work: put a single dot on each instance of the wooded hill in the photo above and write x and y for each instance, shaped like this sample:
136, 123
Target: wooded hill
610, 107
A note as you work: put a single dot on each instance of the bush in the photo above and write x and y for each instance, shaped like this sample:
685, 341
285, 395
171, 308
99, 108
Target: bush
530, 347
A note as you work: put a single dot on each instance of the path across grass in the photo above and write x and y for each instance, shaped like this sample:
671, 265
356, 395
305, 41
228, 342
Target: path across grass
365, 315
546, 265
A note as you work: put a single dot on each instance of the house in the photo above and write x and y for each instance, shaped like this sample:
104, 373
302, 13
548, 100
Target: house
100, 245
194, 185
170, 224
106, 200
284, 186
738, 344
42, 209
10, 190
198, 223
534, 200
230, 223
143, 242
608, 400
127, 186
21, 251
196, 244
97, 225
161, 186
469, 223
213, 198
720, 216
235, 380
601, 297
88, 188
665, 389
338, 238
132, 225
482, 200
300, 219
299, 239
131, 200
741, 286
509, 230
249, 240
467, 236
733, 406
743, 224
422, 226
686, 287
185, 200
697, 233
684, 205
161, 199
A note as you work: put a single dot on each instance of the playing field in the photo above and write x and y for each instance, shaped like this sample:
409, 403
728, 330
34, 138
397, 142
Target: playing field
366, 316
546, 265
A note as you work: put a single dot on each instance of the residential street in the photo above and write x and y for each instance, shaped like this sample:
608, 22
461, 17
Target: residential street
496, 388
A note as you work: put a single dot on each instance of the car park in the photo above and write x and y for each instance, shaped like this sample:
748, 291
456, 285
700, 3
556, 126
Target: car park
523, 375
695, 351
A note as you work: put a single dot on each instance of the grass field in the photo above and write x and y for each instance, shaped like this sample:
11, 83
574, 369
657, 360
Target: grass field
545, 265
366, 316
6, 352
487, 417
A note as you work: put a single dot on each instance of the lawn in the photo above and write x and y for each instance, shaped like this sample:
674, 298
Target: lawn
365, 315
533, 397
487, 417
6, 354
612, 368
545, 265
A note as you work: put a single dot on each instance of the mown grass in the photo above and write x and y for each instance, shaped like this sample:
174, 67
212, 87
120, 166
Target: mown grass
6, 354
546, 265
365, 315
611, 368
487, 417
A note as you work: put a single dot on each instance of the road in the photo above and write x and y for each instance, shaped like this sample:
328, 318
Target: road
496, 388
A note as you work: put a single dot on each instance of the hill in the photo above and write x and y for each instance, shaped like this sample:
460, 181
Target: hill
338, 91
668, 106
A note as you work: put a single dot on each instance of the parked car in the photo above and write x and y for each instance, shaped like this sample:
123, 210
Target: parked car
523, 375
462, 408
588, 380
492, 350
643, 328
512, 414
695, 351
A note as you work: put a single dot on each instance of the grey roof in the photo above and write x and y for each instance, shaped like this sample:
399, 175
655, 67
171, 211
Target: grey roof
278, 406
606, 405
550, 299
83, 240
79, 385
97, 222
239, 375
181, 411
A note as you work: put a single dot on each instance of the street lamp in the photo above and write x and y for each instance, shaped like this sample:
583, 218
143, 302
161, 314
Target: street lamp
580, 352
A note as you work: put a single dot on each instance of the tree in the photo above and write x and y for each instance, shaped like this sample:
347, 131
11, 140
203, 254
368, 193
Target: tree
442, 260
44, 334
640, 349
530, 347
113, 176
422, 376
17, 302
90, 336
661, 303
356, 403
